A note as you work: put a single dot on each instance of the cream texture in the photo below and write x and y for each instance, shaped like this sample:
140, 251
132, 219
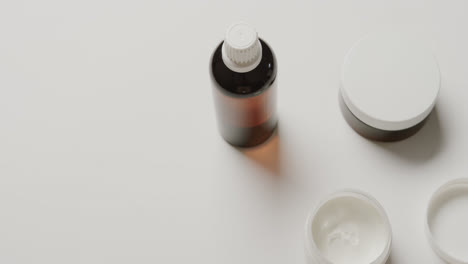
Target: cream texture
349, 230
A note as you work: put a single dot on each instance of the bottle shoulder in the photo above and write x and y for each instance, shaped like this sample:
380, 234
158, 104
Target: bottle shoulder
244, 84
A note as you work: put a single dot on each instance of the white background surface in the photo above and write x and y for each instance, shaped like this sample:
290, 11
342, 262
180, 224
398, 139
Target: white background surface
109, 151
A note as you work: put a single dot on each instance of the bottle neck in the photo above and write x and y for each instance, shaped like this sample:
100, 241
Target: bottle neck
241, 67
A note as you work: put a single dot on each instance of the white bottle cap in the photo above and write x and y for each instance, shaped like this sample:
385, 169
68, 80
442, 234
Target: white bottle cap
241, 51
349, 227
390, 80
447, 222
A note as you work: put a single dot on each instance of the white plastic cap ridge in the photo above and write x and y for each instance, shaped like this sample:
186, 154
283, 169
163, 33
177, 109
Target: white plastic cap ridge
241, 51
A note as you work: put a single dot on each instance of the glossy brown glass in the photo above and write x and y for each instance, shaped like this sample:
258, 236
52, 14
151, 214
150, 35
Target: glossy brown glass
373, 133
245, 102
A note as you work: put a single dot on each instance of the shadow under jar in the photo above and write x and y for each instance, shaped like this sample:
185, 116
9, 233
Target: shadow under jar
243, 72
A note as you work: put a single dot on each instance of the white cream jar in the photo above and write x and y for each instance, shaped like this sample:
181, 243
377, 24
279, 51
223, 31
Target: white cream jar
349, 227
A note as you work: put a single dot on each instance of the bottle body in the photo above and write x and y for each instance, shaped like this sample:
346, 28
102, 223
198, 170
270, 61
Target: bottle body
245, 103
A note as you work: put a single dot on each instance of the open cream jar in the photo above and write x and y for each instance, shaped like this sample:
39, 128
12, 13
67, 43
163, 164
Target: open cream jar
349, 227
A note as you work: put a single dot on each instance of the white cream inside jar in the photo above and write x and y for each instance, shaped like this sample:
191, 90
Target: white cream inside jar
349, 228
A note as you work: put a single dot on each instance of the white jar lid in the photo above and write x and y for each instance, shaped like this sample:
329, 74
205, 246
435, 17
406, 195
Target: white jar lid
390, 80
349, 227
447, 222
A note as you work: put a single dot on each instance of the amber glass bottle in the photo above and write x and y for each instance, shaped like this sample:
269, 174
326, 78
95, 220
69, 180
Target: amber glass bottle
243, 72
